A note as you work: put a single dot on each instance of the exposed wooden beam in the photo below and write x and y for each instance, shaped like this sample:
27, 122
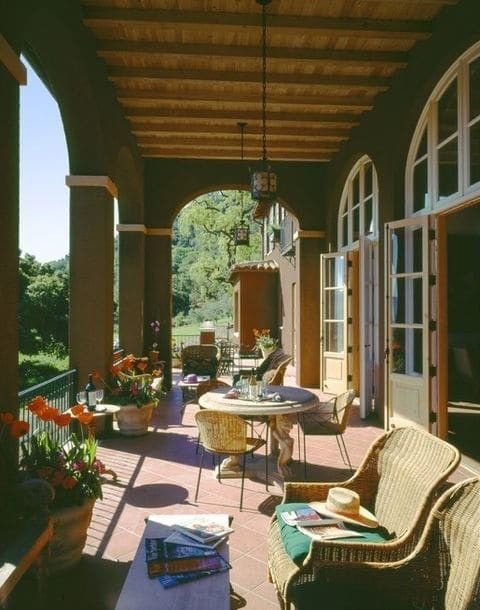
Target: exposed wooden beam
243, 115
209, 153
367, 28
143, 47
347, 102
174, 128
231, 143
379, 83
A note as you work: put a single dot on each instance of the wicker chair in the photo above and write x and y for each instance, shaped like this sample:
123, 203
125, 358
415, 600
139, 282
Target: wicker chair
328, 423
203, 388
398, 481
200, 359
275, 376
225, 433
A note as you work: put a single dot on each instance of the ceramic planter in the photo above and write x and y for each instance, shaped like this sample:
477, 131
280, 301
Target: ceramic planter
70, 525
133, 421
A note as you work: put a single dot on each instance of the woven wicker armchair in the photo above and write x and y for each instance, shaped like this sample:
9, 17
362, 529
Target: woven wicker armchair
200, 359
328, 423
398, 481
442, 572
225, 433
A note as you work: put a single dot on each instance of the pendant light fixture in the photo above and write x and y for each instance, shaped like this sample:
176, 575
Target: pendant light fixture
241, 233
263, 180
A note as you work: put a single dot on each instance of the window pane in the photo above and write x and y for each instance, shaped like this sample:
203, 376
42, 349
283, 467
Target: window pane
397, 246
416, 264
368, 180
417, 351
398, 301
368, 216
448, 169
356, 190
417, 305
406, 250
398, 351
334, 272
356, 223
475, 153
474, 88
407, 300
422, 148
334, 304
447, 112
334, 336
420, 186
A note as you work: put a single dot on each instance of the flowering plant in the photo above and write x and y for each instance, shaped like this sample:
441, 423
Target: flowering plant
131, 384
263, 338
155, 326
70, 467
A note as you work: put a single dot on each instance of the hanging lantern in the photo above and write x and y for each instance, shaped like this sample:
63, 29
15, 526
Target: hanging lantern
241, 235
264, 180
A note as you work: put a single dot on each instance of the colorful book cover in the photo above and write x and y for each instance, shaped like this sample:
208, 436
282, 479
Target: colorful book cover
203, 530
158, 549
172, 580
185, 565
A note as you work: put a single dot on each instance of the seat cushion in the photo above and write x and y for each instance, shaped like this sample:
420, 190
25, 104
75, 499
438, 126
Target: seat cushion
297, 544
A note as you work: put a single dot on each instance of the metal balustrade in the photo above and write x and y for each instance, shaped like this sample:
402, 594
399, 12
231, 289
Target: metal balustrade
60, 392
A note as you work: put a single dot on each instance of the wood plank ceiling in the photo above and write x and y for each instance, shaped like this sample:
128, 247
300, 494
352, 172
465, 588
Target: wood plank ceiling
187, 71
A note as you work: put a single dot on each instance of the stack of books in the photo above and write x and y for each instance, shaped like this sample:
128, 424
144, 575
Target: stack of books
308, 521
187, 554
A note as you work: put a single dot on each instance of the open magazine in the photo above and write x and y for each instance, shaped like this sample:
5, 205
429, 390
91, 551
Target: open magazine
329, 532
306, 517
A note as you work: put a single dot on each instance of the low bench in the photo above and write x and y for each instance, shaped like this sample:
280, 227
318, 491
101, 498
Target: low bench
140, 591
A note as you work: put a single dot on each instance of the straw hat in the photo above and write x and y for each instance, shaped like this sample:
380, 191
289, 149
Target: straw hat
344, 504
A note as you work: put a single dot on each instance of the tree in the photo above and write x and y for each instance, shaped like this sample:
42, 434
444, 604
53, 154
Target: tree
204, 250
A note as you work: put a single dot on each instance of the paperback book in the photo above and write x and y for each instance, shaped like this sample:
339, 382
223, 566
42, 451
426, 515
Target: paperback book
306, 517
169, 559
204, 530
172, 580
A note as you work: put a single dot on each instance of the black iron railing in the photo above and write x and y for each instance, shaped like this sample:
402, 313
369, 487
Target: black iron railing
60, 392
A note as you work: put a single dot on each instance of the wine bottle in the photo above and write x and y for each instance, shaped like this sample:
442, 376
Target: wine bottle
90, 391
252, 386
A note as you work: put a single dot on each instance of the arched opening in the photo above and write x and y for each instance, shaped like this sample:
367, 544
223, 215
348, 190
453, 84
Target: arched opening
205, 245
43, 235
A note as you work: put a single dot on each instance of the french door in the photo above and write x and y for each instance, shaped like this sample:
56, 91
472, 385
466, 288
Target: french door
333, 355
409, 326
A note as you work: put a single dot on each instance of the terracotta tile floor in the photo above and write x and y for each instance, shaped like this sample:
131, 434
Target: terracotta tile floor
157, 474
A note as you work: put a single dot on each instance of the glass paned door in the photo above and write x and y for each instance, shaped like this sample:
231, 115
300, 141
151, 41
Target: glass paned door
407, 318
334, 318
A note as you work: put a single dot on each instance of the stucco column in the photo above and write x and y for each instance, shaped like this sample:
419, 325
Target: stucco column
308, 249
158, 293
12, 74
91, 274
131, 286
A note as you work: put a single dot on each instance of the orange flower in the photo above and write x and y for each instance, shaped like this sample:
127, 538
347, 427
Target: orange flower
69, 482
19, 428
85, 418
63, 419
48, 413
115, 369
77, 409
7, 418
37, 404
141, 366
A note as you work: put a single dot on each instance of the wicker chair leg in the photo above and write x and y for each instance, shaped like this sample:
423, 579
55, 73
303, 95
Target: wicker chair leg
199, 473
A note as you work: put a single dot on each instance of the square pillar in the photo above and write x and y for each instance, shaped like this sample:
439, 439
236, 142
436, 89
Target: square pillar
91, 274
158, 293
131, 286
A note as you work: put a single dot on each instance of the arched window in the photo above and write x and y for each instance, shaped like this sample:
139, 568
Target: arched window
443, 165
358, 209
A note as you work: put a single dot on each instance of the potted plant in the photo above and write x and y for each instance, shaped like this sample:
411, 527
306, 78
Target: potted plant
135, 391
69, 469
264, 342
154, 354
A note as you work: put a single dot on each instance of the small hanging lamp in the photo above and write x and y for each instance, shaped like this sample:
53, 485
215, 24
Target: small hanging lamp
241, 233
264, 180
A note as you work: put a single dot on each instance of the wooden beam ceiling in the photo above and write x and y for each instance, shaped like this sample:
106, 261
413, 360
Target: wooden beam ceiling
187, 71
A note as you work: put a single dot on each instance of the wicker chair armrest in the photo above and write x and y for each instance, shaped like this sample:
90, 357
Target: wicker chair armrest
314, 491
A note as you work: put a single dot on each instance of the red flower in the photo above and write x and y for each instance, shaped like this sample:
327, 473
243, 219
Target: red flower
7, 418
62, 419
19, 428
69, 482
37, 404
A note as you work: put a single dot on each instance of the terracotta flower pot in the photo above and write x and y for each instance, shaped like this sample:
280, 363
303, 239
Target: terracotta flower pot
133, 421
70, 525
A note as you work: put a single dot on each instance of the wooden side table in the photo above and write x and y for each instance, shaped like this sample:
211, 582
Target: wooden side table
102, 424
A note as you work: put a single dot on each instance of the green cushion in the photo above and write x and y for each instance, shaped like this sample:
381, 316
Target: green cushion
297, 544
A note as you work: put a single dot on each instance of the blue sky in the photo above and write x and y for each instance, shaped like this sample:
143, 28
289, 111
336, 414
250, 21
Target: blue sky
44, 198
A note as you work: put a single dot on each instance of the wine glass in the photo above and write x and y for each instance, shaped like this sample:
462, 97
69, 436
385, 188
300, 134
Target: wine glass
82, 398
99, 394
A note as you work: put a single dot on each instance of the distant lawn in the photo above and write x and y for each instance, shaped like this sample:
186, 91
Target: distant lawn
190, 329
36, 368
